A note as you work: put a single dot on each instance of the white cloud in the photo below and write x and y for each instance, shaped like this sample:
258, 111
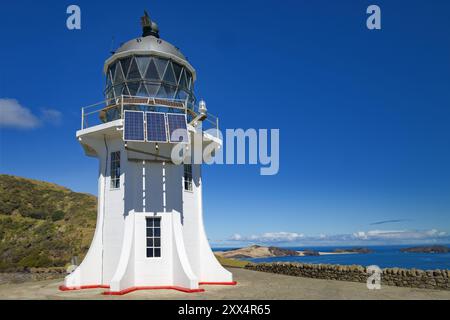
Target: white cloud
12, 114
399, 234
269, 237
360, 237
236, 237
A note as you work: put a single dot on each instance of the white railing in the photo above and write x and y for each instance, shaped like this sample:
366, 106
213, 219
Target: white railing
113, 109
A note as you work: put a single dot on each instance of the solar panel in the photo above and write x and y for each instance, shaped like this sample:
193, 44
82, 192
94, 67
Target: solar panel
134, 126
177, 128
156, 127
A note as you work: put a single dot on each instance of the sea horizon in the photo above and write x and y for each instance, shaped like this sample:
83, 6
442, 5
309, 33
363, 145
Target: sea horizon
384, 256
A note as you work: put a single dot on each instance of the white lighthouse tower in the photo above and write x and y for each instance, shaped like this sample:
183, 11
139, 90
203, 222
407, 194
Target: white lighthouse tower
150, 232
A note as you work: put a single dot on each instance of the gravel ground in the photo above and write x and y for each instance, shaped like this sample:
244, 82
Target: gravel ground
251, 285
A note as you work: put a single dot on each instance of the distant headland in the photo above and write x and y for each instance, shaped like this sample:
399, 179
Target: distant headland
427, 249
256, 251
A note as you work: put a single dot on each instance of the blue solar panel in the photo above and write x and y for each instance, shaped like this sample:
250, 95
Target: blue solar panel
156, 127
177, 122
134, 126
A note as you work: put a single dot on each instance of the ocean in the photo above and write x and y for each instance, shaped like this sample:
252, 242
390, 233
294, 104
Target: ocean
383, 256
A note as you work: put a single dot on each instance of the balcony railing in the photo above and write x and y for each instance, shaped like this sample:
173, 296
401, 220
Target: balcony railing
113, 109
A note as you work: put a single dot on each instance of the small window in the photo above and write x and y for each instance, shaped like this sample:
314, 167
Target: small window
153, 237
188, 177
115, 170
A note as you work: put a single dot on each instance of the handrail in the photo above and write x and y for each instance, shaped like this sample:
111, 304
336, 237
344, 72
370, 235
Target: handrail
101, 108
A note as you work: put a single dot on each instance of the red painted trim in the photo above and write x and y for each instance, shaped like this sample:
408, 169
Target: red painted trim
232, 283
132, 289
125, 291
94, 286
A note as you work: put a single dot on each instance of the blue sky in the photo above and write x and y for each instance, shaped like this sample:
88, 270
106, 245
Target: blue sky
363, 115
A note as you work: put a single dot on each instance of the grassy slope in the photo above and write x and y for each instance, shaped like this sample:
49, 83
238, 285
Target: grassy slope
42, 224
231, 262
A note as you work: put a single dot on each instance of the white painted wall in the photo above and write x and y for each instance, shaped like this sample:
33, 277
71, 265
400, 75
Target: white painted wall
117, 256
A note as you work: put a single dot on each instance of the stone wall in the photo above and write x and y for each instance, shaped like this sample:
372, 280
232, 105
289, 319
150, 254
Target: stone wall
33, 274
413, 278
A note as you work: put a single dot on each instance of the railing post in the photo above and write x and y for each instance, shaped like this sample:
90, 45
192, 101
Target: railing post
217, 127
121, 106
82, 118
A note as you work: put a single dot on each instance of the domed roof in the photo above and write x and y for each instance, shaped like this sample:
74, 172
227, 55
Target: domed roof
151, 43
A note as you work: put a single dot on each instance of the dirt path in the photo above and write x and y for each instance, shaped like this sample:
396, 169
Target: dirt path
251, 285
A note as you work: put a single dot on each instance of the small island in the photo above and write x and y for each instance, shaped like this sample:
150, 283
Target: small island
311, 253
426, 249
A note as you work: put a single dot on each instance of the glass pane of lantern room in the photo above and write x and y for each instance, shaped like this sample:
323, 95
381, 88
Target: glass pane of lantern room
109, 94
170, 91
152, 72
108, 79
118, 78
142, 63
162, 93
134, 73
125, 65
152, 89
125, 91
142, 92
182, 95
177, 69
112, 70
190, 83
169, 76
183, 82
133, 88
161, 66
118, 90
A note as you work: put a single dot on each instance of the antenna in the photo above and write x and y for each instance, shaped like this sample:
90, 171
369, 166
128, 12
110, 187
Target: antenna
111, 49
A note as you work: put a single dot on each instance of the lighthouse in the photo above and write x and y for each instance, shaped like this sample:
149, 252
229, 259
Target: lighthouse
150, 232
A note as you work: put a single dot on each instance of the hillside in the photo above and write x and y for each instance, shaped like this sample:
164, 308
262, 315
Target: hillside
257, 252
43, 224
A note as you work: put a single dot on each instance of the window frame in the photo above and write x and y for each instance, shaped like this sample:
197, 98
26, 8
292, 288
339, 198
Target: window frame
152, 236
114, 170
188, 184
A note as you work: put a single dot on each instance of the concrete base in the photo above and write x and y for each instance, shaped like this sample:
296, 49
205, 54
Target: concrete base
134, 271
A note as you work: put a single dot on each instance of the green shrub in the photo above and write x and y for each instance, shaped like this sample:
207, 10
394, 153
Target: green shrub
58, 215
